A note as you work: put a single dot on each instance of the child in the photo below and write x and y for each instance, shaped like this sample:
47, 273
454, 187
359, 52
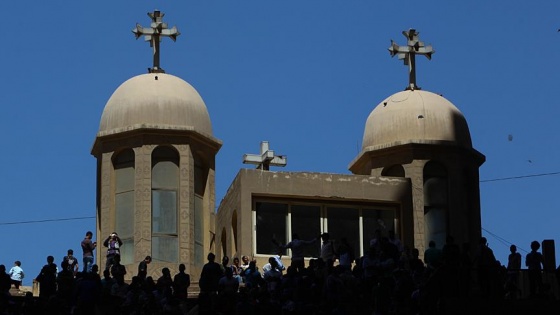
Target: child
16, 274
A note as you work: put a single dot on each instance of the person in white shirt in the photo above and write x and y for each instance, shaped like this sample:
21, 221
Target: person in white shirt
16, 274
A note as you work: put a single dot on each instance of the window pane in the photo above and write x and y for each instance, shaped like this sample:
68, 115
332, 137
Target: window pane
127, 251
165, 174
199, 180
435, 222
306, 222
164, 211
344, 222
271, 223
165, 249
124, 179
382, 220
124, 209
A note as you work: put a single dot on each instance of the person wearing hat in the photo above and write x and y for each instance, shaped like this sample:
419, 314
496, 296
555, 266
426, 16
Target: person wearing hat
113, 244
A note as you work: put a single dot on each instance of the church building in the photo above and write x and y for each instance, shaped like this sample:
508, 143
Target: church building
155, 156
416, 175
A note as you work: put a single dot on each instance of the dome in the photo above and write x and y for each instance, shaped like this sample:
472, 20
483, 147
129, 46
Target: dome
156, 101
415, 116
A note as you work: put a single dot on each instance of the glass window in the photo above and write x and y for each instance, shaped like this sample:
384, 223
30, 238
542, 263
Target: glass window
435, 203
165, 183
344, 222
271, 224
124, 214
165, 248
164, 212
272, 221
123, 164
165, 174
372, 220
306, 222
127, 251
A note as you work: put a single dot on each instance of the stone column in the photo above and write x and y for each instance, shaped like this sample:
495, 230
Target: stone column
143, 202
186, 206
106, 215
415, 171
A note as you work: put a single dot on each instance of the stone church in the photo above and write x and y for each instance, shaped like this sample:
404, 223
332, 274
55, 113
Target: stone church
417, 175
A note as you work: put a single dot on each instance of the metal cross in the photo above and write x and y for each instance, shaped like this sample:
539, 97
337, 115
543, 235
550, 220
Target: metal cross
265, 159
153, 35
408, 53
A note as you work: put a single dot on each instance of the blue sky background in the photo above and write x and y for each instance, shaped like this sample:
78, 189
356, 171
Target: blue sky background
303, 75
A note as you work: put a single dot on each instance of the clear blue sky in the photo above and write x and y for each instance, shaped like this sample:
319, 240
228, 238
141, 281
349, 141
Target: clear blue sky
303, 75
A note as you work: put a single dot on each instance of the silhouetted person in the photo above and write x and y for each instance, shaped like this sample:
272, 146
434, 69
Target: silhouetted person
65, 284
47, 279
328, 253
208, 283
451, 253
118, 271
513, 267
210, 275
227, 292
486, 267
181, 283
88, 292
345, 254
143, 267
432, 256
164, 283
5, 282
534, 262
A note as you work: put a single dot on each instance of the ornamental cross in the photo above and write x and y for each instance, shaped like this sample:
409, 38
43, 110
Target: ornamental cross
408, 53
153, 35
265, 159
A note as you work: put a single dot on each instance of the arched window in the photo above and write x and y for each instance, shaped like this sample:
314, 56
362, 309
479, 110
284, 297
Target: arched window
123, 164
394, 171
165, 185
435, 203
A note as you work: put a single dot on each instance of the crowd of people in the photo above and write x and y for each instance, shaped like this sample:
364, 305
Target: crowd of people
389, 279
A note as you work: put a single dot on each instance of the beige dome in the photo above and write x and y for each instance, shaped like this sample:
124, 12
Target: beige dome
156, 101
415, 117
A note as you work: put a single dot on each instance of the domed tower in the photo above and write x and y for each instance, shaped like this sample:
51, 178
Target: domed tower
422, 136
155, 168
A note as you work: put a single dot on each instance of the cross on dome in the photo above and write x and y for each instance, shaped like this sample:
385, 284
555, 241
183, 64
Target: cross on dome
408, 53
153, 35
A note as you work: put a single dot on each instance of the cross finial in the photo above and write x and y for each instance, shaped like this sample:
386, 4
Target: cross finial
265, 159
413, 47
153, 35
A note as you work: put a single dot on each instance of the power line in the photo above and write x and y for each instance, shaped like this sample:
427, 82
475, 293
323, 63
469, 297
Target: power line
503, 240
518, 177
46, 220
